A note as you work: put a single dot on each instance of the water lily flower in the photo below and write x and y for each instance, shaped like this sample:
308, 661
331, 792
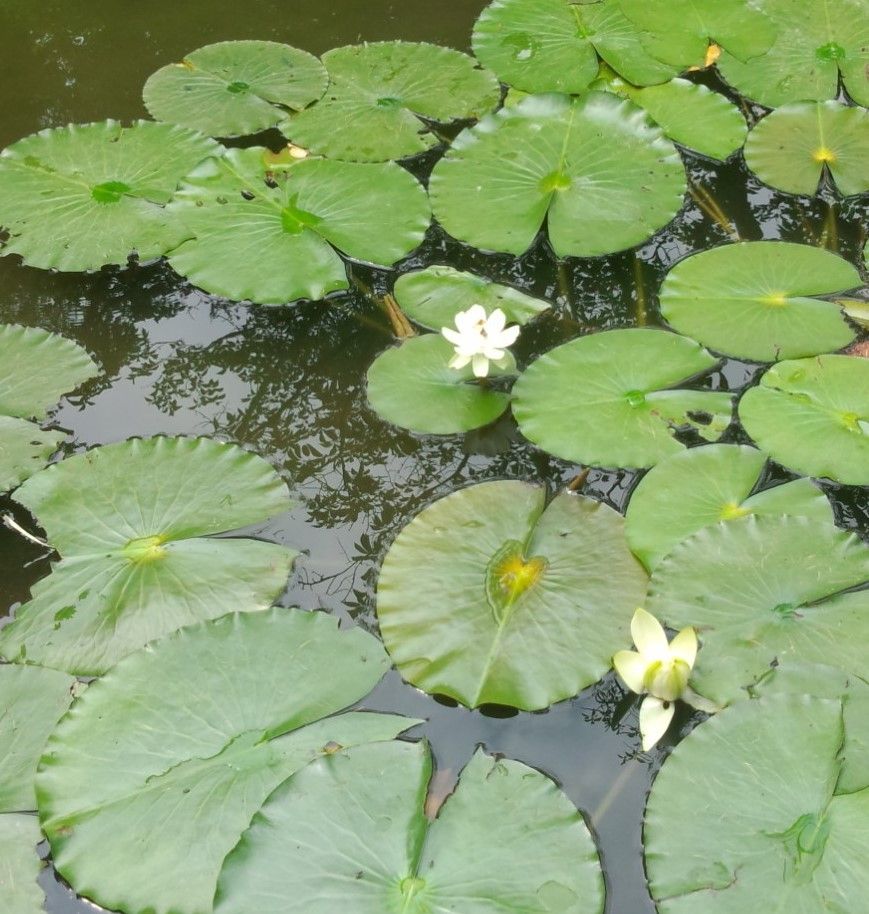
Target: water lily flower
480, 339
660, 670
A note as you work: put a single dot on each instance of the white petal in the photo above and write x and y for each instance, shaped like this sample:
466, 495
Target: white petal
684, 646
494, 355
496, 323
476, 316
631, 669
459, 361
649, 636
464, 321
453, 336
481, 366
689, 696
507, 337
655, 717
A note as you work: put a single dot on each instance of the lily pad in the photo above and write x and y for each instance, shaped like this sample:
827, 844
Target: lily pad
816, 41
20, 865
783, 839
433, 297
594, 168
270, 229
714, 484
550, 45
762, 590
611, 399
752, 300
32, 700
412, 386
24, 450
792, 147
491, 596
379, 94
186, 739
134, 524
234, 88
812, 416
350, 833
79, 197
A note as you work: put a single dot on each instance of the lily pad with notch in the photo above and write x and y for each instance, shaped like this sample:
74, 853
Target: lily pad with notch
135, 524
234, 88
612, 399
382, 93
491, 596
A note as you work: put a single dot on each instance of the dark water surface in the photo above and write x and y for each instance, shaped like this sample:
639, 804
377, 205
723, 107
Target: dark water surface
289, 383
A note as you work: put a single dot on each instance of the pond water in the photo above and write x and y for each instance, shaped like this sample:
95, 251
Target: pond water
289, 383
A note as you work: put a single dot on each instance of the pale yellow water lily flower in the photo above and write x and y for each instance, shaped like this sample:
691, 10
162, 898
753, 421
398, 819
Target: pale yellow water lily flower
480, 339
660, 670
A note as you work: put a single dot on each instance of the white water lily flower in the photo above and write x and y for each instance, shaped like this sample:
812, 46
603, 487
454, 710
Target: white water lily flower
660, 670
479, 339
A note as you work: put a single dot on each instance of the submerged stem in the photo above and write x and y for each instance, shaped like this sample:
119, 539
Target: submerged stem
711, 207
10, 522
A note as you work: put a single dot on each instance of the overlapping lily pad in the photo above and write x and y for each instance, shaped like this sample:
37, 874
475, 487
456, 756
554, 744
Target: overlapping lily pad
235, 87
600, 175
412, 386
20, 865
491, 596
611, 398
704, 486
784, 838
381, 95
792, 147
433, 297
350, 833
82, 196
134, 524
812, 416
270, 228
754, 300
762, 590
186, 739
816, 42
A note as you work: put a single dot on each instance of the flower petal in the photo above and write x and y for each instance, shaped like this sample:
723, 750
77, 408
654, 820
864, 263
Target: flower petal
476, 316
649, 636
631, 669
507, 337
689, 696
453, 336
496, 323
684, 646
655, 718
481, 366
459, 361
492, 354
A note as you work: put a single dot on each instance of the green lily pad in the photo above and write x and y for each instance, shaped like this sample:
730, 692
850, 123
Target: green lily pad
752, 300
550, 45
761, 590
816, 41
678, 32
593, 168
714, 484
134, 524
491, 596
783, 839
270, 229
610, 399
378, 94
433, 297
79, 197
350, 833
234, 88
24, 450
150, 780
412, 386
791, 147
20, 865
812, 416
32, 700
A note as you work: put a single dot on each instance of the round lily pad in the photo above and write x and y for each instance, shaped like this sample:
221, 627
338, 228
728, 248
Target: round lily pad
269, 228
761, 590
78, 197
24, 450
784, 838
412, 386
594, 169
20, 865
791, 147
491, 596
433, 297
816, 42
134, 524
381, 94
812, 416
611, 399
752, 300
234, 88
350, 833
150, 780
714, 484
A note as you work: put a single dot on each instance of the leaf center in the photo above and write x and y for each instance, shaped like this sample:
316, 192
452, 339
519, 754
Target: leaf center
824, 154
556, 181
509, 576
830, 51
389, 101
295, 220
145, 549
635, 398
238, 87
732, 511
109, 191
805, 842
